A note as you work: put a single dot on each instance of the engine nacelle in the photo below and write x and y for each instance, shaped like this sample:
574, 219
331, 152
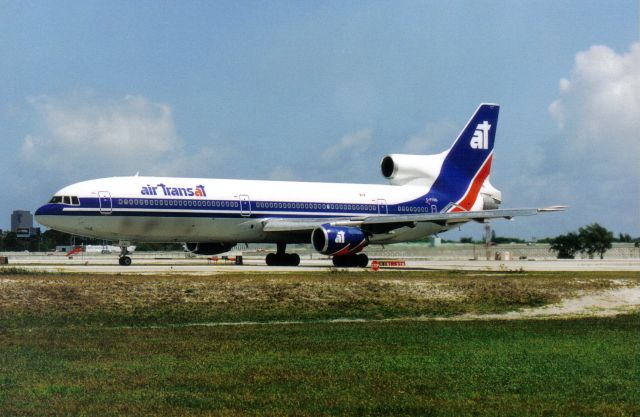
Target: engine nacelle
208, 248
338, 240
491, 196
402, 169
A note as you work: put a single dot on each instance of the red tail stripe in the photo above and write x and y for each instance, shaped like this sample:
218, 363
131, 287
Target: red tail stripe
470, 197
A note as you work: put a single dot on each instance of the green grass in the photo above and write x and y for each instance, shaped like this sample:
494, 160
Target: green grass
527, 368
64, 350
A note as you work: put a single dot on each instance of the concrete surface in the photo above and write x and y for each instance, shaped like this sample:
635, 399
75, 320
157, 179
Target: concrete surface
177, 263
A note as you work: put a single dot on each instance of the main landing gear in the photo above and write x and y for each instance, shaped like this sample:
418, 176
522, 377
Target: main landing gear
354, 260
124, 259
281, 258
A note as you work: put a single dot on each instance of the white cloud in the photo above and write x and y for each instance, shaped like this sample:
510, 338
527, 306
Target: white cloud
434, 138
598, 115
356, 143
280, 173
598, 110
94, 137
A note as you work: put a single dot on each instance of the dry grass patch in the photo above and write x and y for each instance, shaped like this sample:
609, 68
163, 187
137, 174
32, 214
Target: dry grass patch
116, 299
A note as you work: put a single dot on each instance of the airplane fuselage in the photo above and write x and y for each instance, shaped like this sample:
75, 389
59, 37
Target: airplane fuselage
157, 209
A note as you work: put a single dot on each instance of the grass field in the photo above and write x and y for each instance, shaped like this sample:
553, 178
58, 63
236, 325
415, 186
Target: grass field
114, 345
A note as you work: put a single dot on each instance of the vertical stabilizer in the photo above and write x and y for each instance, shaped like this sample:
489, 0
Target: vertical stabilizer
468, 161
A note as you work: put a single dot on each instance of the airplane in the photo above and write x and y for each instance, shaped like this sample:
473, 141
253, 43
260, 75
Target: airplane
426, 195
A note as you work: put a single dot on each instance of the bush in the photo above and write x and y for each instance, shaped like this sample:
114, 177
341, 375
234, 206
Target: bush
566, 245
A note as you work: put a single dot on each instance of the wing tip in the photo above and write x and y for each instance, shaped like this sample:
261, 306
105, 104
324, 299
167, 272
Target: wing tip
552, 208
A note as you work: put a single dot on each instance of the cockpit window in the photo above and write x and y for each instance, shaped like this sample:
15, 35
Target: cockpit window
66, 199
56, 199
75, 201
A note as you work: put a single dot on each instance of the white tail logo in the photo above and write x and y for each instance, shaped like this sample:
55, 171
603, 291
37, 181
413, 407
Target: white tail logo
340, 237
480, 139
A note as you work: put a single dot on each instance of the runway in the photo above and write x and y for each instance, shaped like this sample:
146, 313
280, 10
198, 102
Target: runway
144, 264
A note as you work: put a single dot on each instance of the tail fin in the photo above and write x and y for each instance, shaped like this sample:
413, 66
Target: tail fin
468, 161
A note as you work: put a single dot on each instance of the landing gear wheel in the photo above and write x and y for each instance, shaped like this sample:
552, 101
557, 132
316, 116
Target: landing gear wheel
124, 261
282, 259
351, 261
271, 259
341, 261
294, 259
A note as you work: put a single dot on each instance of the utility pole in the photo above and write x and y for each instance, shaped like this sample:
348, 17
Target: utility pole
487, 240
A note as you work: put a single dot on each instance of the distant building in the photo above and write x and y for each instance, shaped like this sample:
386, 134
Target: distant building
22, 224
21, 219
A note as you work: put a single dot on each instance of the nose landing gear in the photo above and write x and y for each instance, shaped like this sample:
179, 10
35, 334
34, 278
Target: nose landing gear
124, 259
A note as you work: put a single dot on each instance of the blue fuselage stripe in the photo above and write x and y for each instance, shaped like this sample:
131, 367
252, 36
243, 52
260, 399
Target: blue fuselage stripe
159, 207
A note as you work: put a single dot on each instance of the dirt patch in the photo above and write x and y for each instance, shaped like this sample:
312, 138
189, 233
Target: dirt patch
599, 304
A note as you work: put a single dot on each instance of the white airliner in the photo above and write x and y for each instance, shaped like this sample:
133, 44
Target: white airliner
428, 194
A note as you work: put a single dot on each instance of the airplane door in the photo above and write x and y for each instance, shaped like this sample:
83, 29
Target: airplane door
382, 206
245, 205
104, 197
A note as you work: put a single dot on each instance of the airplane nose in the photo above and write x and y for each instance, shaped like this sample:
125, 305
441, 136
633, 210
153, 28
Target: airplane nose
44, 214
39, 213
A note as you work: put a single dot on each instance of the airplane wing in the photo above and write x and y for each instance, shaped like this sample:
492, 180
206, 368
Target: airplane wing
386, 223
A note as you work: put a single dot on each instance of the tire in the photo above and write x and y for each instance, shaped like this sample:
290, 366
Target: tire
126, 261
340, 261
293, 259
363, 260
271, 259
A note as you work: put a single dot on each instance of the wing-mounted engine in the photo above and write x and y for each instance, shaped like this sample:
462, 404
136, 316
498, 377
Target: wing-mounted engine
208, 248
338, 240
402, 169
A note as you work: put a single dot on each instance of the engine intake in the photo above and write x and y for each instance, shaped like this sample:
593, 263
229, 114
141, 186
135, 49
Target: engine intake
338, 240
208, 248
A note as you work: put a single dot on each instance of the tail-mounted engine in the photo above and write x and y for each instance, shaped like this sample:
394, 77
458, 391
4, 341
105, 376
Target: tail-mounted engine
338, 240
402, 169
208, 248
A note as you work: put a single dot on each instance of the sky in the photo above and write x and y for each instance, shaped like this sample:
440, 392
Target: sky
321, 91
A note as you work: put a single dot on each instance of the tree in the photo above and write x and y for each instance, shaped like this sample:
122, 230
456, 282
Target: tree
624, 237
11, 243
595, 239
566, 245
52, 238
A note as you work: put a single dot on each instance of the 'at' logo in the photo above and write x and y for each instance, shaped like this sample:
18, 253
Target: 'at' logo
480, 139
340, 237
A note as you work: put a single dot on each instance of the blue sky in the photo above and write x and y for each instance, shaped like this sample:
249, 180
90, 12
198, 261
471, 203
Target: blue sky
322, 91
